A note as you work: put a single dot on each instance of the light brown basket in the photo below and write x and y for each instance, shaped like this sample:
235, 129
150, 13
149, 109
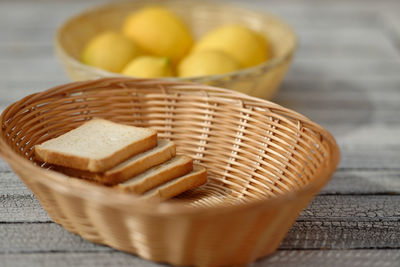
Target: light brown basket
264, 163
261, 81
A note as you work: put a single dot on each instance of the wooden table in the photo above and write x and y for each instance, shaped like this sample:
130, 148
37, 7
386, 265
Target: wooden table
346, 76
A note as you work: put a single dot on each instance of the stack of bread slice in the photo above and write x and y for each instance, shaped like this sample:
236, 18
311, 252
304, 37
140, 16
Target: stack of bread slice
129, 158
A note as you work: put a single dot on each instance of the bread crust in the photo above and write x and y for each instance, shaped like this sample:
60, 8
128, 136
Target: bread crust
158, 178
120, 174
177, 186
96, 165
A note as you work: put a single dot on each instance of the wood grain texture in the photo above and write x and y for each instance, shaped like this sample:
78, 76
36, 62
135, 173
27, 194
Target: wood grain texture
342, 235
42, 237
332, 258
330, 221
330, 234
311, 258
370, 208
323, 208
17, 208
364, 182
4, 168
344, 182
345, 76
84, 258
12, 186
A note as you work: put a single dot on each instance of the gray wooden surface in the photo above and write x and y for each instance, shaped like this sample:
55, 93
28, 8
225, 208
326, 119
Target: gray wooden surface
346, 76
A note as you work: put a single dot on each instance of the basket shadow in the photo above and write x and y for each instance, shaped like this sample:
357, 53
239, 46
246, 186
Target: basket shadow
340, 106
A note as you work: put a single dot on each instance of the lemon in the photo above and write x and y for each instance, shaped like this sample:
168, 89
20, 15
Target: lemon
159, 32
248, 47
149, 67
109, 51
207, 62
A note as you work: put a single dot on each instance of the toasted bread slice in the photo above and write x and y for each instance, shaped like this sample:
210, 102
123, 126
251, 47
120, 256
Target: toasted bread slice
175, 167
164, 151
179, 185
96, 145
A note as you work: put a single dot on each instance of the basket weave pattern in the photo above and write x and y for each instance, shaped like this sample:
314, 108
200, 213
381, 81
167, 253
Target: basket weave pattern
264, 165
200, 16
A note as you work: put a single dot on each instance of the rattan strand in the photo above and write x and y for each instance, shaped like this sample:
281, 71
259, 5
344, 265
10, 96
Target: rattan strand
264, 165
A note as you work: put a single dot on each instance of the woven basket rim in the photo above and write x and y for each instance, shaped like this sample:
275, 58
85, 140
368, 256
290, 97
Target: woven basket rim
265, 66
117, 199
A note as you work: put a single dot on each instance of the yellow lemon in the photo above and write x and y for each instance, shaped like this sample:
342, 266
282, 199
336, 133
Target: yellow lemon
159, 32
248, 47
109, 51
207, 62
149, 67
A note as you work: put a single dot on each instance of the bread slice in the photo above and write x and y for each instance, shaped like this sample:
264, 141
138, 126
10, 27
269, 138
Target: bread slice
175, 167
179, 185
96, 145
164, 151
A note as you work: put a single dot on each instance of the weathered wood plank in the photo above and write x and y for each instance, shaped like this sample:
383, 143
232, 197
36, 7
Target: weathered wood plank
338, 233
324, 208
372, 208
344, 44
342, 235
345, 76
31, 51
22, 14
32, 69
29, 86
367, 114
11, 185
4, 166
332, 258
327, 51
22, 208
12, 91
364, 182
309, 258
372, 136
42, 237
50, 68
21, 35
347, 103
315, 15
363, 114
367, 108
344, 91
61, 259
340, 69
373, 157
363, 47
358, 106
297, 93
315, 68
362, 43
344, 52
370, 170
339, 122
343, 182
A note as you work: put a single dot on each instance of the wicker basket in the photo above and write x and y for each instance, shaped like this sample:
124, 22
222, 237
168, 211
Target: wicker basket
264, 163
261, 81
